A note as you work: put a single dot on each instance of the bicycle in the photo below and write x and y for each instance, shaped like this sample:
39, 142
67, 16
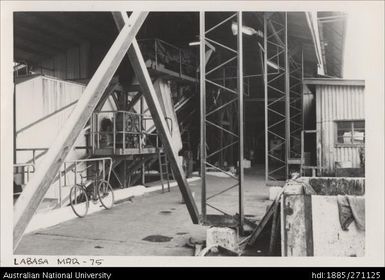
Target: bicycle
93, 186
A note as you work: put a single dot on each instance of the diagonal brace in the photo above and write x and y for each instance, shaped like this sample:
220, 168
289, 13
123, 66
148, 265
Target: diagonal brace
140, 69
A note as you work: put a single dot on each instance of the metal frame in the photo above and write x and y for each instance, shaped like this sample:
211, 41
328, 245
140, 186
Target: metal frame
137, 134
157, 45
23, 169
276, 88
211, 118
283, 101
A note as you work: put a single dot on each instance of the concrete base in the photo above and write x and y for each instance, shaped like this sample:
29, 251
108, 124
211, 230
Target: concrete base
57, 216
274, 192
225, 237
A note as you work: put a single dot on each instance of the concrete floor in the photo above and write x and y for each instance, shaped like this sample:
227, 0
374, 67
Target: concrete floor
121, 230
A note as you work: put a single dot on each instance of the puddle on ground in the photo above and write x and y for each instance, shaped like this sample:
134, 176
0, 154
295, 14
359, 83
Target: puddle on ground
157, 238
165, 212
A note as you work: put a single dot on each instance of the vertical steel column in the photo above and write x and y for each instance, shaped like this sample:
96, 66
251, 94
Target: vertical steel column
266, 98
202, 79
302, 91
216, 99
287, 100
142, 131
240, 117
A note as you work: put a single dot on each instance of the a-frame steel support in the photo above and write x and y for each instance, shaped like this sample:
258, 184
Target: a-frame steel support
148, 91
46, 172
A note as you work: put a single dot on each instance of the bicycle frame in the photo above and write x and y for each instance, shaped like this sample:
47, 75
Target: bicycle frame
76, 169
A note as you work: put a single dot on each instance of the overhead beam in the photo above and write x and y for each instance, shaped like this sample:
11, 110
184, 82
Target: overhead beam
148, 91
37, 187
312, 22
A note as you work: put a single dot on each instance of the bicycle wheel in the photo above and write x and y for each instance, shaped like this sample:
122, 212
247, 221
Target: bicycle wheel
79, 201
105, 194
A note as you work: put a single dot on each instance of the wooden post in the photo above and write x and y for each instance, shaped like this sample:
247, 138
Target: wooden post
140, 69
46, 172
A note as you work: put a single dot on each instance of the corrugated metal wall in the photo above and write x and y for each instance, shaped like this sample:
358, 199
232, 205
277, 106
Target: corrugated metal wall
334, 103
72, 64
43, 105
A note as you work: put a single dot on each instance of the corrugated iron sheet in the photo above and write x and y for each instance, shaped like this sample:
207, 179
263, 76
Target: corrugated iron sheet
334, 103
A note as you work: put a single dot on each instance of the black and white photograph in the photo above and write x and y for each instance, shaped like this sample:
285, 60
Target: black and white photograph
241, 131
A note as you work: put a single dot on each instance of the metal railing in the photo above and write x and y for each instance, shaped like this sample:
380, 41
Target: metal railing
21, 173
121, 130
167, 56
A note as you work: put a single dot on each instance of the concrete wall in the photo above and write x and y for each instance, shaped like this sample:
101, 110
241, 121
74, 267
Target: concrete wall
310, 224
334, 103
328, 237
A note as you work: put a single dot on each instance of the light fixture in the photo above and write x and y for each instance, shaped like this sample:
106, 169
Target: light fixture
273, 65
246, 30
194, 43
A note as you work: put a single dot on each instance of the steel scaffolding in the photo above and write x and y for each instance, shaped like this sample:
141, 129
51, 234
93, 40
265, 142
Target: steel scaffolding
221, 104
276, 79
283, 101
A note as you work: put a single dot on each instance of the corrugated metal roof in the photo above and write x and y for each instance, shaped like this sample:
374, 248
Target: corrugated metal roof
332, 28
334, 81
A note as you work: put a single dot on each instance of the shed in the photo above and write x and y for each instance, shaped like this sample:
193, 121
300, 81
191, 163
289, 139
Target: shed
340, 124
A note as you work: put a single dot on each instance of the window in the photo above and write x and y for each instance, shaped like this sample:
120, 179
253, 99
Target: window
350, 133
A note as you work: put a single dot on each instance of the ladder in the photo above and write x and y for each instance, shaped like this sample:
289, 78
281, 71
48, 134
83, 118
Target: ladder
164, 170
186, 139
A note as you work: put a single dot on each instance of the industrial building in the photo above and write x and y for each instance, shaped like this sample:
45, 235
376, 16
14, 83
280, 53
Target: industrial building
234, 126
